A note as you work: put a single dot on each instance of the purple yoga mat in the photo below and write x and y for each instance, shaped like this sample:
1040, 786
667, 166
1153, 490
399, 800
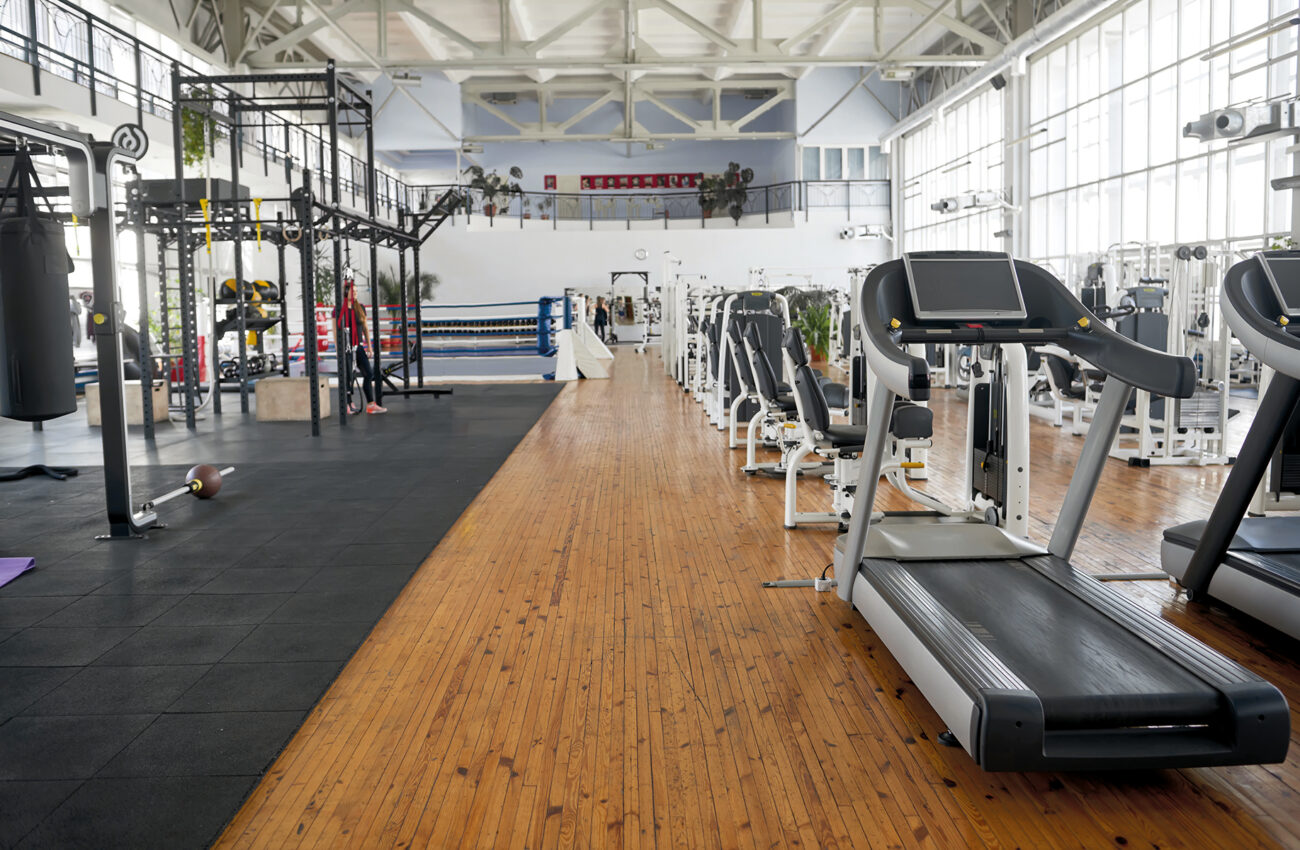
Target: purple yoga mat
12, 568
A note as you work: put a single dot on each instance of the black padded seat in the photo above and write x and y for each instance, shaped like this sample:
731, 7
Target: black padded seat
846, 436
912, 422
837, 395
786, 402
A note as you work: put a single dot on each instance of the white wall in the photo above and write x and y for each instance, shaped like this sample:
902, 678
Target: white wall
507, 263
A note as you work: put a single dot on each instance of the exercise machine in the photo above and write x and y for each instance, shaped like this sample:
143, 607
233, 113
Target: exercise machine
1032, 664
1252, 563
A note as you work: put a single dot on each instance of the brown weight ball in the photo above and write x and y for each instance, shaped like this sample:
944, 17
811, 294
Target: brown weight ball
205, 480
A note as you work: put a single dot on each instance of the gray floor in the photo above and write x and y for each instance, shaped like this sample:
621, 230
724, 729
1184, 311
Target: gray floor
146, 685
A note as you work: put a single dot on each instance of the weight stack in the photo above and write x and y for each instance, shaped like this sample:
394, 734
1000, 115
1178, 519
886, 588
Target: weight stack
36, 381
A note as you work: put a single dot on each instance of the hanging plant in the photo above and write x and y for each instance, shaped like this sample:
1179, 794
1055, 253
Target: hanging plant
727, 191
198, 127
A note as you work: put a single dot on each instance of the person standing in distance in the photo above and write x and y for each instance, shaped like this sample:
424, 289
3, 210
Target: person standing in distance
350, 323
602, 318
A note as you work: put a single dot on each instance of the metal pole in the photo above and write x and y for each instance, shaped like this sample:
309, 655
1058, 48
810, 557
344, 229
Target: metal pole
406, 329
340, 356
283, 278
90, 64
142, 281
307, 257
372, 208
108, 349
237, 229
164, 314
419, 321
185, 267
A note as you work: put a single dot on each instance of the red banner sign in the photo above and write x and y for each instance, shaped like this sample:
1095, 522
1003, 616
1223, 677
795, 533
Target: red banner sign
598, 182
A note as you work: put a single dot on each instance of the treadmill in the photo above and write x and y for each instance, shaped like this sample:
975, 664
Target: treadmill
1252, 563
1032, 664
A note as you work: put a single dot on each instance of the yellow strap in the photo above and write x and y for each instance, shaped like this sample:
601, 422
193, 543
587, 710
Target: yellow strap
207, 225
257, 214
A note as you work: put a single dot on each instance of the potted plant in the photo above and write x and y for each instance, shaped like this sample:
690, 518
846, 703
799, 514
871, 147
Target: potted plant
492, 187
545, 204
726, 191
198, 127
814, 323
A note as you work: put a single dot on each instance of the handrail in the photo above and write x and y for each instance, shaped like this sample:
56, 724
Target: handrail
73, 44
789, 197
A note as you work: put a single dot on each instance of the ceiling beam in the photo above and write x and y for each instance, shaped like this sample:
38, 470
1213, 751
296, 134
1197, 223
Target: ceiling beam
299, 34
694, 23
566, 26
829, 19
455, 35
824, 41
765, 62
985, 43
437, 51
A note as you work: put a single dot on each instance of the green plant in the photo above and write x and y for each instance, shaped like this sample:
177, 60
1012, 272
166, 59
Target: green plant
198, 127
726, 191
322, 258
814, 323
390, 291
1286, 243
490, 186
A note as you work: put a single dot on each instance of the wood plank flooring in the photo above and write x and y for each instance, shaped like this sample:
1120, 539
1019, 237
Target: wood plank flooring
588, 660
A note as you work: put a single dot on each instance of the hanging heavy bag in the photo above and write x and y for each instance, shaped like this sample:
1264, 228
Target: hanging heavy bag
37, 373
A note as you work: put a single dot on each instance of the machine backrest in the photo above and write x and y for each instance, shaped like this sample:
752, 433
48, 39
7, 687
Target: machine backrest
761, 368
1059, 371
737, 348
813, 409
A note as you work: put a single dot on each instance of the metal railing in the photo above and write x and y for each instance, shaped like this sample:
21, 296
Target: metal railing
58, 38
790, 197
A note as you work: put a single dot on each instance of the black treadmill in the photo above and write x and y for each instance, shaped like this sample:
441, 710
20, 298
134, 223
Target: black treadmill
1032, 664
1252, 563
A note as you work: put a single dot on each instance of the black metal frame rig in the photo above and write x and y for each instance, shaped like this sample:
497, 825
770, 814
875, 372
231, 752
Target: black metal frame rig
90, 195
187, 236
326, 101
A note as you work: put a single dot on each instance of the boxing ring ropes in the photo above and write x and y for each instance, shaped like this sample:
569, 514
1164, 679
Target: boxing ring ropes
453, 331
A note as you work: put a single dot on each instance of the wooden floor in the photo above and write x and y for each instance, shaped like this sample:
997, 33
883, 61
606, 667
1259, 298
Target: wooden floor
588, 660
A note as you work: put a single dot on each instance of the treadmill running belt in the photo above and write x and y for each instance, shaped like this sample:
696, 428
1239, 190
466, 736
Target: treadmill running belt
1086, 672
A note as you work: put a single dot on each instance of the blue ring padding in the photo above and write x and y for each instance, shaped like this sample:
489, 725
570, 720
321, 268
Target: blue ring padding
464, 306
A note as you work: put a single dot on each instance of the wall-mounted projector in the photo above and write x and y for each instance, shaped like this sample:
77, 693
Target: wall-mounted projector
897, 74
950, 205
970, 201
866, 231
1238, 122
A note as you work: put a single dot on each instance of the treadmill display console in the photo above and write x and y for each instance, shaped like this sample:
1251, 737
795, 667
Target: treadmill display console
965, 289
1284, 275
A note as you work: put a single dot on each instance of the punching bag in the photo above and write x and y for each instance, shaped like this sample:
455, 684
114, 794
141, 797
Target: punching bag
37, 373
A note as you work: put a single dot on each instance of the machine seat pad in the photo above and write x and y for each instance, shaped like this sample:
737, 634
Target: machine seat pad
843, 436
837, 395
786, 403
912, 422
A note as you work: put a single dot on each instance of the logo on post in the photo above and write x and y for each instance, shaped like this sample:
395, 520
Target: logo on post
132, 139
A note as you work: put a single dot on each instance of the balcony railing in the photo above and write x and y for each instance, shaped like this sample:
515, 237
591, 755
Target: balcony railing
58, 38
791, 197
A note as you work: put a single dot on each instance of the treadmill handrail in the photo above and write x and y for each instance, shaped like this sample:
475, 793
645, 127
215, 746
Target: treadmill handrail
1251, 310
887, 316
